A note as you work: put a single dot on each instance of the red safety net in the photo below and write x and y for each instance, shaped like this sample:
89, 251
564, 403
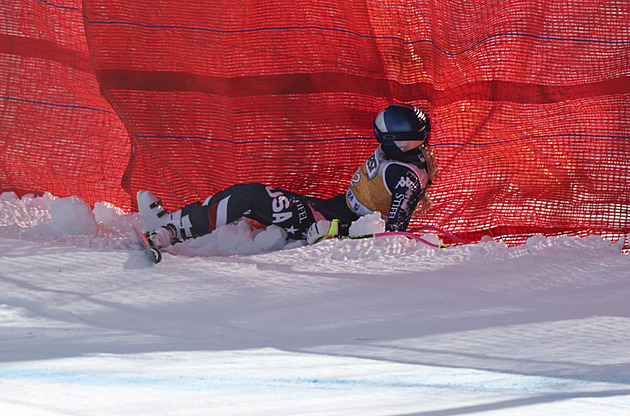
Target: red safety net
529, 102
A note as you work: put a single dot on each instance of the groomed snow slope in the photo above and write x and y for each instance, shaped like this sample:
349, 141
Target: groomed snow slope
386, 326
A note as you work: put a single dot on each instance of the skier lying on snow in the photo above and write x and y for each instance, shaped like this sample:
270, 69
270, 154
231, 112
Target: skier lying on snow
393, 180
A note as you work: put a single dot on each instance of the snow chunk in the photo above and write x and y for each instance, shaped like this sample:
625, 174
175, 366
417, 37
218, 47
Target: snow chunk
432, 238
231, 236
535, 241
72, 215
272, 238
369, 224
236, 238
241, 239
107, 213
8, 196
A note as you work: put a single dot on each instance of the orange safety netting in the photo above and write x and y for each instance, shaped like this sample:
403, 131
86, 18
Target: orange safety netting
529, 102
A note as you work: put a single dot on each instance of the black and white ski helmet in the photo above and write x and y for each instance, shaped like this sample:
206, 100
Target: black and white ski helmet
401, 128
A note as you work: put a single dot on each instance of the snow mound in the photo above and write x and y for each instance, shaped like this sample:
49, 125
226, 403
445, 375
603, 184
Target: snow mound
72, 222
73, 216
369, 224
238, 238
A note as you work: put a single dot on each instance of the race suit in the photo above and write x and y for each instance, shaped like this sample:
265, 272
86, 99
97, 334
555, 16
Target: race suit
389, 186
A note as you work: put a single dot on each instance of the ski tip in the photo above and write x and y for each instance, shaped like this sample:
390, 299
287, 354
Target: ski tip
156, 255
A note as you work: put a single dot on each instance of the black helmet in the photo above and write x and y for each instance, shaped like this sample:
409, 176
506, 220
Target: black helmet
401, 128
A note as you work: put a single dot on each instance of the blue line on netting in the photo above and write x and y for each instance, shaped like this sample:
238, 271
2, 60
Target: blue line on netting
287, 28
346, 31
333, 139
61, 7
260, 141
259, 29
524, 35
80, 107
542, 136
339, 139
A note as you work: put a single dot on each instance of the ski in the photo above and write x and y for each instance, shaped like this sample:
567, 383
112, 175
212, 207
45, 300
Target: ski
387, 234
409, 234
153, 252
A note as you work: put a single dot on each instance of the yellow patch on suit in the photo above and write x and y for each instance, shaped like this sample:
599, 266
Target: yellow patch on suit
368, 190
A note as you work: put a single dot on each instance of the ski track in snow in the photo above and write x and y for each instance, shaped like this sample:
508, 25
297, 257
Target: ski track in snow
388, 326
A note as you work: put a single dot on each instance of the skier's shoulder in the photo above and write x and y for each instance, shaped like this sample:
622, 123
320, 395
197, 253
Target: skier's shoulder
396, 169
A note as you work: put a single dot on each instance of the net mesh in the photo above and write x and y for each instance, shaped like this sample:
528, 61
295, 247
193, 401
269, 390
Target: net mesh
528, 102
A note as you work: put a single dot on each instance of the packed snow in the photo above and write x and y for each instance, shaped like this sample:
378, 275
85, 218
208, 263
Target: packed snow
241, 322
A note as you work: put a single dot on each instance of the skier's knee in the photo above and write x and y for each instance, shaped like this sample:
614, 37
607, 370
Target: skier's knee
247, 194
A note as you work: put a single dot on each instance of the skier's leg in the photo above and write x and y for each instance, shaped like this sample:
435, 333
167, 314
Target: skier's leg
198, 218
256, 201
253, 200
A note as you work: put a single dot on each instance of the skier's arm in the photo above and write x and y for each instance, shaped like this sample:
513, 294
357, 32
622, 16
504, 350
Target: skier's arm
406, 190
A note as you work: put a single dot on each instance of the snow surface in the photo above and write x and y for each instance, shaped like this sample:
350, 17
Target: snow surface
238, 323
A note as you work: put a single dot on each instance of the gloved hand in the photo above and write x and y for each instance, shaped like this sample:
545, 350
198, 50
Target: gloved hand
321, 229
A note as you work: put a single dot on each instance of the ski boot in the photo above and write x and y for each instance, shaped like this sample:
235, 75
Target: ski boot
163, 236
151, 211
177, 229
162, 228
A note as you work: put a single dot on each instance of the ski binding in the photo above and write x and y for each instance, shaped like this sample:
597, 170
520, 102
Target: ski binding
152, 251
